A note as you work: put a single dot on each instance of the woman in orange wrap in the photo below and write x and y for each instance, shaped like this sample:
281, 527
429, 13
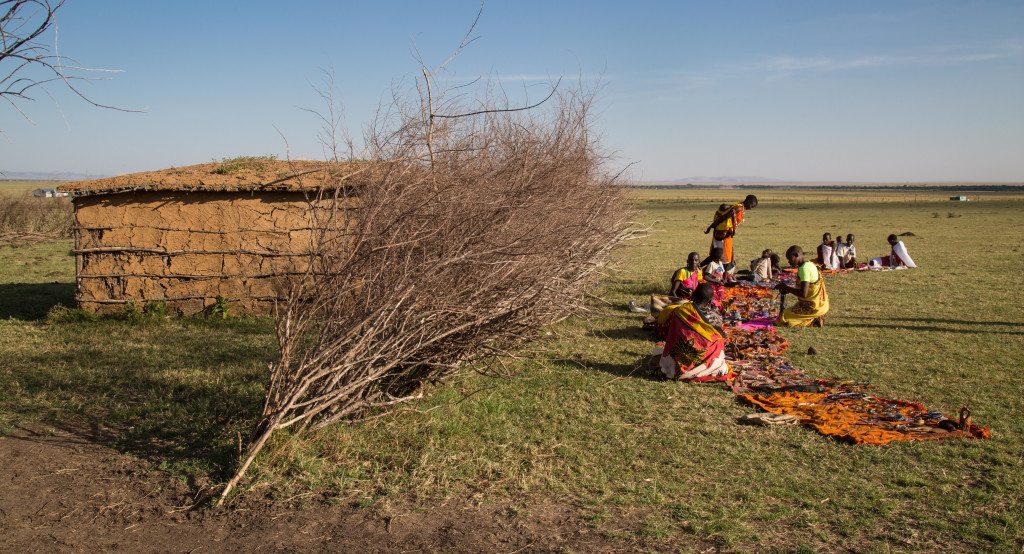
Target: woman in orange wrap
727, 220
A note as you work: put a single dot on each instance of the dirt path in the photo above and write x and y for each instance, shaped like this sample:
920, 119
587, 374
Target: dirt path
62, 493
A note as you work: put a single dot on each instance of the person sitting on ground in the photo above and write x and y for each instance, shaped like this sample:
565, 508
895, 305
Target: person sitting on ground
714, 266
840, 249
761, 268
812, 298
898, 256
694, 340
827, 252
848, 254
776, 264
686, 278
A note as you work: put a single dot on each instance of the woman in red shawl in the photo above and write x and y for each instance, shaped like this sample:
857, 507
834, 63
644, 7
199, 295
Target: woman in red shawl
694, 339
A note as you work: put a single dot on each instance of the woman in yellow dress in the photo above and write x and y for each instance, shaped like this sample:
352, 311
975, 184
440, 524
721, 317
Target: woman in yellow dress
812, 298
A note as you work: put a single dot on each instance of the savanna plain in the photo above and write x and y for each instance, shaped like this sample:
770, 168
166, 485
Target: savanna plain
574, 446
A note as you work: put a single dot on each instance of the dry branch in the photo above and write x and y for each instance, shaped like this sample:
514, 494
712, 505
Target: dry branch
479, 229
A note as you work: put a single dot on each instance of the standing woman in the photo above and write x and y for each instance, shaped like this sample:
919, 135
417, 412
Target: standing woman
727, 219
812, 298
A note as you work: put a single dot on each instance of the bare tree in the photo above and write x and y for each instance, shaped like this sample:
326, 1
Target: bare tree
28, 63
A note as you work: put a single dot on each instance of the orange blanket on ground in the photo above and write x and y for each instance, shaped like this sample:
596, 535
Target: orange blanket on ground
863, 419
846, 411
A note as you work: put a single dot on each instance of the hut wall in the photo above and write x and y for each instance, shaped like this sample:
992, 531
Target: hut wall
188, 248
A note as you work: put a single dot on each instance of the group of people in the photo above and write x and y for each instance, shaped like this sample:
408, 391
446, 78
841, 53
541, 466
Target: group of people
837, 254
690, 320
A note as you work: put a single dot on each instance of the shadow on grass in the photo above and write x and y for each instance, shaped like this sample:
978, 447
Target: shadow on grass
179, 394
897, 326
628, 333
949, 321
641, 288
639, 369
31, 301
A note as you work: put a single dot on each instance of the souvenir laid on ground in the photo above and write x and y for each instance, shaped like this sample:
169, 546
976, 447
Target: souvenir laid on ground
846, 411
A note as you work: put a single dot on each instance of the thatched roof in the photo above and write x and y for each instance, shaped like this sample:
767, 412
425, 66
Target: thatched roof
235, 175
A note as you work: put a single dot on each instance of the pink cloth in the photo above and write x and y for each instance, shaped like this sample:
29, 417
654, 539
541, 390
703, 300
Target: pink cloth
759, 323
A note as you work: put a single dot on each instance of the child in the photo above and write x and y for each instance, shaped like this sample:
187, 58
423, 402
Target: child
849, 258
827, 252
761, 268
714, 269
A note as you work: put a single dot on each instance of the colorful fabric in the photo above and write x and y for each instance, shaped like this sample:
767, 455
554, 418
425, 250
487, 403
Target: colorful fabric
754, 352
743, 303
860, 418
694, 349
689, 278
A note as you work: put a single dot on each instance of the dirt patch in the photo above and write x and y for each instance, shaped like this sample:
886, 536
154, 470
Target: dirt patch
61, 492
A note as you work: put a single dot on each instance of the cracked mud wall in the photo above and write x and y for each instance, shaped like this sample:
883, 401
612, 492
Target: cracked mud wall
188, 248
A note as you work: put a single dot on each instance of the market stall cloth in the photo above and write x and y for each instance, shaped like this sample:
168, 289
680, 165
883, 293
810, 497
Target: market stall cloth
861, 418
844, 410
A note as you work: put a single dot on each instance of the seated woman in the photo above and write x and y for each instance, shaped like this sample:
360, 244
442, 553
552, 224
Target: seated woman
684, 280
898, 256
812, 298
827, 253
694, 340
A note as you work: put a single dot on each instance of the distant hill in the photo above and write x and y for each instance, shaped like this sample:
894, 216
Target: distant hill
729, 179
46, 176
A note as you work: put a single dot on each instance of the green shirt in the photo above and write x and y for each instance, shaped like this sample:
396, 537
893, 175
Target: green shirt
808, 272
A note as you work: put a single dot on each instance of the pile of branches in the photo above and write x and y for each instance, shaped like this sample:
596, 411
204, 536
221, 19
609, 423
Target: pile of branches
470, 230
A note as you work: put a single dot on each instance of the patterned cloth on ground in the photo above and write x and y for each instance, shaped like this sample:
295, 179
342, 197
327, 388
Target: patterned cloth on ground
847, 411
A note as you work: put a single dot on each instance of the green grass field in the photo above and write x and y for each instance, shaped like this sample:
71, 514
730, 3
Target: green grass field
578, 423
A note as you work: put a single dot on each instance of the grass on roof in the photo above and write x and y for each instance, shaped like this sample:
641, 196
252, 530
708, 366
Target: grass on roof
229, 166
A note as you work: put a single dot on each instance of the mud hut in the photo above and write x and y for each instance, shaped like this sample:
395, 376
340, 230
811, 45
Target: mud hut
193, 237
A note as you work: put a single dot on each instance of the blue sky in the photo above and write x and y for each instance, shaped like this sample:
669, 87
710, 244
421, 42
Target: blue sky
873, 91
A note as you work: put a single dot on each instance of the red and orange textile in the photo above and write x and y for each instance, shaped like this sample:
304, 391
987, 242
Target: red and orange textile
847, 411
694, 349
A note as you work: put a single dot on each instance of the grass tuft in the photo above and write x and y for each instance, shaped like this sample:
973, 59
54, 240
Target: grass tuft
229, 166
